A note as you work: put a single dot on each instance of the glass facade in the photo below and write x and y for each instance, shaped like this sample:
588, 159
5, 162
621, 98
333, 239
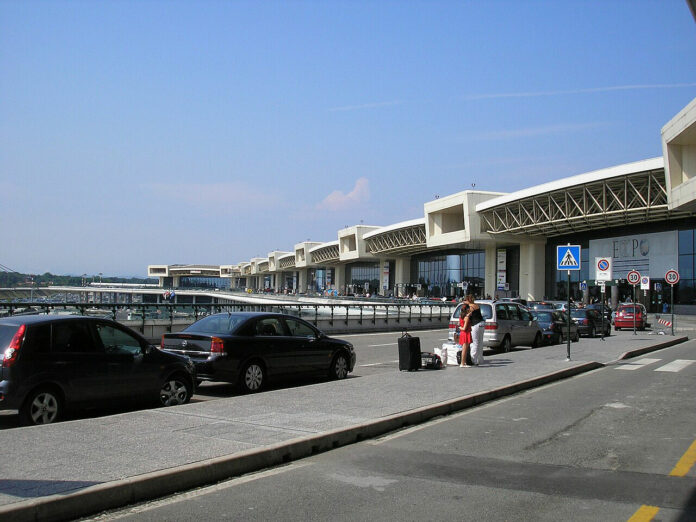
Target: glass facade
204, 282
684, 290
362, 278
441, 275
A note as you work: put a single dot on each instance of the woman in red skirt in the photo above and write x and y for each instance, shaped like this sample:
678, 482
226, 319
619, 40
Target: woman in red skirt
464, 334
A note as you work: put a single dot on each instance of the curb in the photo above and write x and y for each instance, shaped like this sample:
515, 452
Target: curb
116, 494
640, 351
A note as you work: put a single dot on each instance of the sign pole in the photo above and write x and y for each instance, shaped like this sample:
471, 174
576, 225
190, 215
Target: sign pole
568, 340
601, 296
671, 305
635, 309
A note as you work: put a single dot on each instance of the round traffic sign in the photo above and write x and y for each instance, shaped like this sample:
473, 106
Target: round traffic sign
672, 277
633, 277
603, 265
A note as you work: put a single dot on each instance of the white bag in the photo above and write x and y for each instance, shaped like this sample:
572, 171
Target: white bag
442, 352
452, 350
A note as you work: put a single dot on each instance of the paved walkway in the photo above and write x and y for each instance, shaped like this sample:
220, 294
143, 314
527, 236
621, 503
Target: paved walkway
61, 471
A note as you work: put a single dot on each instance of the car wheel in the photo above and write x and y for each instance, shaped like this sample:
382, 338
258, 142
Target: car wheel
506, 345
339, 367
576, 338
593, 332
253, 377
42, 406
537, 340
175, 390
616, 328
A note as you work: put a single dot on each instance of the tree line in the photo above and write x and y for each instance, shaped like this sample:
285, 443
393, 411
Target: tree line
17, 280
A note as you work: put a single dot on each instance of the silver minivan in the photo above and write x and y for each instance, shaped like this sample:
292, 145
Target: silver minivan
508, 324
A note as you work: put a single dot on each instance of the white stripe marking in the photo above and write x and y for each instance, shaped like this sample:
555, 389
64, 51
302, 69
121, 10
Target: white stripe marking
377, 364
636, 365
675, 366
375, 345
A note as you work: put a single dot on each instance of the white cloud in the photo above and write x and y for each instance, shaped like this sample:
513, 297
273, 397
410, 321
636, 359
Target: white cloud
337, 200
578, 91
364, 106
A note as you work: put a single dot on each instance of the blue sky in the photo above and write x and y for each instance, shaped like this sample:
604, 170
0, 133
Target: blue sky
135, 133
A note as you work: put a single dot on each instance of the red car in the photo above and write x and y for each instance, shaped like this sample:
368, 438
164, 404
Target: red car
625, 317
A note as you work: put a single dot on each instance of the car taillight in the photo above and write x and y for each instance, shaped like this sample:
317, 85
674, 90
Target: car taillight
491, 326
12, 351
216, 345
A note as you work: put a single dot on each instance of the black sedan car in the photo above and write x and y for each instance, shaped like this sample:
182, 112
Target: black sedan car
589, 322
50, 363
554, 326
248, 348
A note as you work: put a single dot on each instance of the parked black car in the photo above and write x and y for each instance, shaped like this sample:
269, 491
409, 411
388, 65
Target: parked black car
589, 322
598, 308
554, 325
51, 363
248, 348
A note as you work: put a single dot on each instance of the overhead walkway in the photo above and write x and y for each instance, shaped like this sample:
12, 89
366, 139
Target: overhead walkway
407, 237
623, 195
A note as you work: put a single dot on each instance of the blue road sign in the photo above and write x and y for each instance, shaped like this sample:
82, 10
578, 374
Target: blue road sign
568, 257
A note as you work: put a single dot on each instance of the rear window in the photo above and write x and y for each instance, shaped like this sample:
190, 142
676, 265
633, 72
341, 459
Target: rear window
6, 334
577, 314
486, 311
216, 324
630, 309
544, 316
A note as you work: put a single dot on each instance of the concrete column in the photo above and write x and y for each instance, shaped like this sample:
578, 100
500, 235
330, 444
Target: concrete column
402, 274
278, 276
491, 270
614, 297
340, 278
532, 270
302, 280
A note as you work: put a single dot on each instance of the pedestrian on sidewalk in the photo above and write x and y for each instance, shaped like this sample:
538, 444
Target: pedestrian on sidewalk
465, 335
477, 325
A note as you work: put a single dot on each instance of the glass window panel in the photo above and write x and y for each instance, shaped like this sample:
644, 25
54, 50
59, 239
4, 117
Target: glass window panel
686, 266
686, 241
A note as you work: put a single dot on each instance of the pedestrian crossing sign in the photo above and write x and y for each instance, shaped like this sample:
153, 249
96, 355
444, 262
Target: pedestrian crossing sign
568, 257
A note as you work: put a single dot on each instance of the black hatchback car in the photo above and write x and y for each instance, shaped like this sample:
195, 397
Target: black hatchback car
248, 348
50, 363
589, 322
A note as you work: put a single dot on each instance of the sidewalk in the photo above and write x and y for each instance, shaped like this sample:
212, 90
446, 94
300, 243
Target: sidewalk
75, 468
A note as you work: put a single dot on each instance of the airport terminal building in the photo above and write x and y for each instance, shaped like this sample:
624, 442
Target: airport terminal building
642, 215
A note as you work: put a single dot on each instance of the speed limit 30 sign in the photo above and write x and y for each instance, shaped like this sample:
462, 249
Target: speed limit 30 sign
672, 277
633, 277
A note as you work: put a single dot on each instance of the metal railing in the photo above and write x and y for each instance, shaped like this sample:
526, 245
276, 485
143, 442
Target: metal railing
327, 313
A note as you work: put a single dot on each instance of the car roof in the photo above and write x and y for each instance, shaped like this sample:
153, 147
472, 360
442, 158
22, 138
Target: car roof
38, 319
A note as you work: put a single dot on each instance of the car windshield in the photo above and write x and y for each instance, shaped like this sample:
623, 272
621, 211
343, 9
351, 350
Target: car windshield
544, 317
577, 313
216, 324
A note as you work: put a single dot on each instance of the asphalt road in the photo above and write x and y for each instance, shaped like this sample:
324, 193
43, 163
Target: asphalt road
600, 446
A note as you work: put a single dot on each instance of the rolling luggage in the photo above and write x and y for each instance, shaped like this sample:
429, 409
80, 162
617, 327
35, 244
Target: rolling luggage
409, 353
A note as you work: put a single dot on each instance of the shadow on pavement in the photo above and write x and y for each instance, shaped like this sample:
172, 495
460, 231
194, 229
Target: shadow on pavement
40, 488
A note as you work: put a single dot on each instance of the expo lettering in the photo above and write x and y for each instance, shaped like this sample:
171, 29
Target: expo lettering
630, 248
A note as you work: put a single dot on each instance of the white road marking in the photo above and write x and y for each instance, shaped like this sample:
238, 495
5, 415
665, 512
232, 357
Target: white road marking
377, 364
674, 366
375, 345
397, 333
637, 365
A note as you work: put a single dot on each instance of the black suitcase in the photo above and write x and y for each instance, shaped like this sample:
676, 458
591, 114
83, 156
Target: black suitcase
409, 353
